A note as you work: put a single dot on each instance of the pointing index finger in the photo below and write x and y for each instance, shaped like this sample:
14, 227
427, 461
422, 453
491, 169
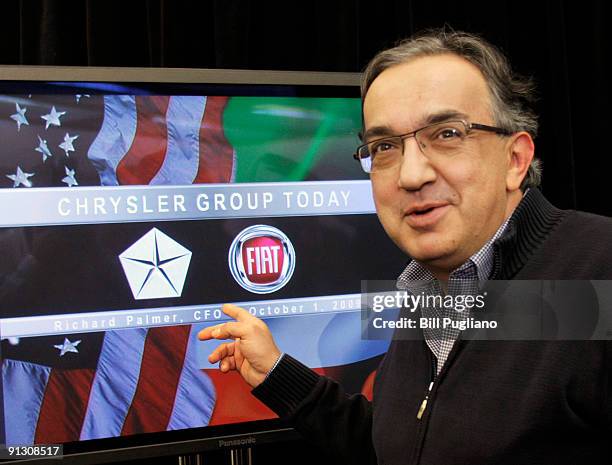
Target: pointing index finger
236, 312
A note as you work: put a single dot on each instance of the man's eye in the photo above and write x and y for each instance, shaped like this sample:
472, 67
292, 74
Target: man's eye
449, 134
381, 146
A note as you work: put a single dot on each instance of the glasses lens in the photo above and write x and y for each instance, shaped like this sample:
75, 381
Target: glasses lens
365, 160
443, 138
384, 153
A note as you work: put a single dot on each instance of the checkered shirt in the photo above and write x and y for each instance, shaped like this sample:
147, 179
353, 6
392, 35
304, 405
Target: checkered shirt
462, 281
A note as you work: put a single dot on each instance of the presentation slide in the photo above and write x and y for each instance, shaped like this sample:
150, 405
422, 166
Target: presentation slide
126, 221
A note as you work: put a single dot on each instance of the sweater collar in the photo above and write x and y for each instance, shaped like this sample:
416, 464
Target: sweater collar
529, 226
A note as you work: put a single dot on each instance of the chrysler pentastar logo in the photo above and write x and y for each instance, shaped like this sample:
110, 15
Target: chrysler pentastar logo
155, 266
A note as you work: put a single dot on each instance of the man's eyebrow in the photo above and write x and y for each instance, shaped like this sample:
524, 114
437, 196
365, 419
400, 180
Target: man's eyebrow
441, 116
376, 132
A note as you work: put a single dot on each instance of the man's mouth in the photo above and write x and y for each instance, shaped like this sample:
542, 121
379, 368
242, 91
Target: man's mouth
424, 211
426, 215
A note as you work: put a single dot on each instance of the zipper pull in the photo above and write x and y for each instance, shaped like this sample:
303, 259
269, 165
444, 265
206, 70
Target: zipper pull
424, 403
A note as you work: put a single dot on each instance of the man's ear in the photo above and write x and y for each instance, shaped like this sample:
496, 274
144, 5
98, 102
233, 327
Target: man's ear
521, 150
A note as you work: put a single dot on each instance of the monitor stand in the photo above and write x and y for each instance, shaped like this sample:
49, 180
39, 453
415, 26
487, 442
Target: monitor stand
236, 456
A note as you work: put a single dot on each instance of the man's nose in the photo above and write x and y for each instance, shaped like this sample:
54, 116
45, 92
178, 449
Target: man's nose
416, 169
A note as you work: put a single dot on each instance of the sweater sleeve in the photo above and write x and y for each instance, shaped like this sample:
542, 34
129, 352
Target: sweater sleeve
320, 410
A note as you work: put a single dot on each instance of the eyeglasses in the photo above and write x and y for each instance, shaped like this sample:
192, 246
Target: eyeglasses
435, 141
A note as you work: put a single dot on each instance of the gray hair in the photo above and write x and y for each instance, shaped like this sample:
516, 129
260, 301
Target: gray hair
512, 95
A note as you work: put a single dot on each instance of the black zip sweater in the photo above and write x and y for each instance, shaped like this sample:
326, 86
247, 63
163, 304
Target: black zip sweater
494, 402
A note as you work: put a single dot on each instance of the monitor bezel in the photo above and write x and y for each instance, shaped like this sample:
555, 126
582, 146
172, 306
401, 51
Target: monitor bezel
177, 75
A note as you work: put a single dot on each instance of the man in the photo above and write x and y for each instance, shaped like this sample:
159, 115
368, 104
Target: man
448, 142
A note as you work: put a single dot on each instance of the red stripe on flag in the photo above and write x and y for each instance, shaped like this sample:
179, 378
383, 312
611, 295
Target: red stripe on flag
63, 406
160, 371
216, 153
148, 150
234, 402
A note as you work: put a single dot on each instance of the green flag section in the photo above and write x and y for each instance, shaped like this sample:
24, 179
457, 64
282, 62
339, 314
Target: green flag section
280, 139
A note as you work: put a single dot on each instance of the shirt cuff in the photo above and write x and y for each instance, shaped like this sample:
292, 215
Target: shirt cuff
274, 366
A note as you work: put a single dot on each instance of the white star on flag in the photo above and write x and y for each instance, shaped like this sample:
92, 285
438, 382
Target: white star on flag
53, 117
67, 346
43, 148
67, 146
20, 178
20, 117
78, 97
70, 179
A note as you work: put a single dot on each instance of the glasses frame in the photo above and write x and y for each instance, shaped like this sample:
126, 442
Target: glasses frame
468, 128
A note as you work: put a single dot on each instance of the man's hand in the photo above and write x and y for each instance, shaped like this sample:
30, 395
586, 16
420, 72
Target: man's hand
253, 352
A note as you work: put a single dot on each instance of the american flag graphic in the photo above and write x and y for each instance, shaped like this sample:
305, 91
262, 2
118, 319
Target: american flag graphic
68, 140
85, 386
182, 137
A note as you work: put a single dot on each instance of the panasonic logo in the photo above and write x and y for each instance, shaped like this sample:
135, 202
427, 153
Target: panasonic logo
237, 442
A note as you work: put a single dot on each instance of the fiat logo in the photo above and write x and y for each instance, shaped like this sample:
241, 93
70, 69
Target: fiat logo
261, 259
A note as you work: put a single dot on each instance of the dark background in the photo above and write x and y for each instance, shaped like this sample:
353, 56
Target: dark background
562, 44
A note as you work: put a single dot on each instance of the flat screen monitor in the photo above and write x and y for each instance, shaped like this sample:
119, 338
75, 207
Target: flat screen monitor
133, 204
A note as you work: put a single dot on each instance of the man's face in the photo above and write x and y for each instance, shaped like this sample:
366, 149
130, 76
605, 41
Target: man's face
467, 191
